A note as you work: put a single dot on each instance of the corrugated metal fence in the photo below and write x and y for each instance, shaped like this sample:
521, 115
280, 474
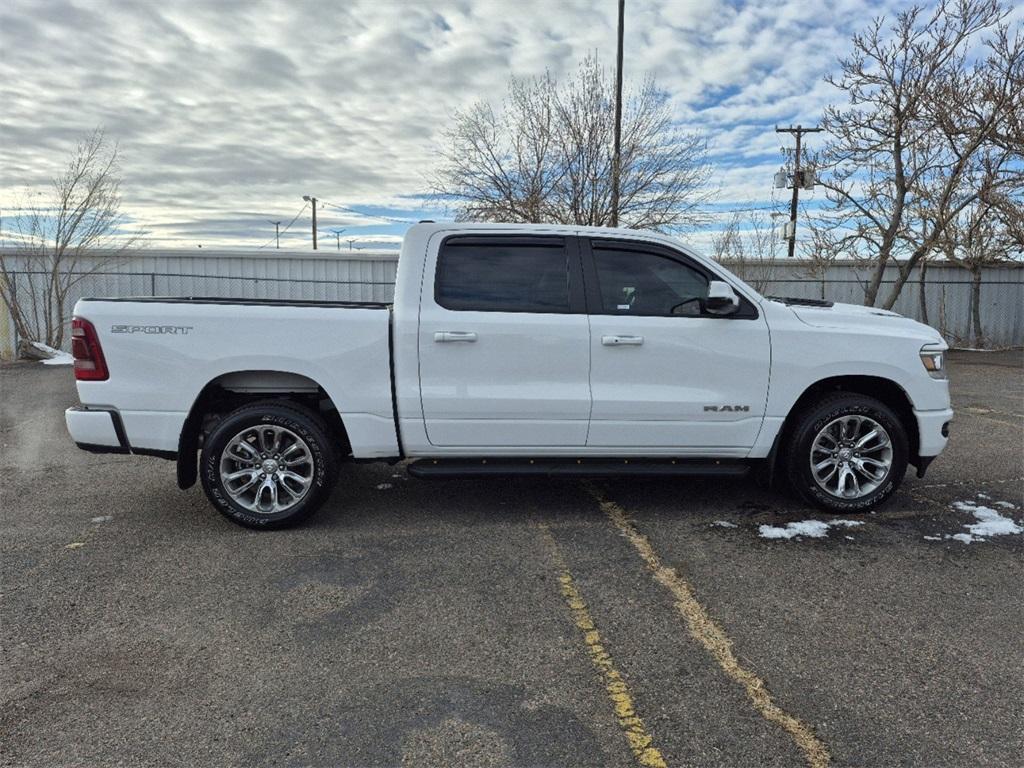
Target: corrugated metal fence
370, 276
947, 293
332, 276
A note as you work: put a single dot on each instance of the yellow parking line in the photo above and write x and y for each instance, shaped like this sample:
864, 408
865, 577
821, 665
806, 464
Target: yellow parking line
705, 630
640, 741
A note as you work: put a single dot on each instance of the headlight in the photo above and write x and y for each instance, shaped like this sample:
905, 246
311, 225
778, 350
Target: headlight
934, 361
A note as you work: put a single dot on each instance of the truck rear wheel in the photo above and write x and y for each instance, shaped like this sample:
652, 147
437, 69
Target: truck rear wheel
847, 453
268, 465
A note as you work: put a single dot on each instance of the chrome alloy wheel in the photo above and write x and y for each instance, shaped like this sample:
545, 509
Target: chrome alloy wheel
266, 469
851, 456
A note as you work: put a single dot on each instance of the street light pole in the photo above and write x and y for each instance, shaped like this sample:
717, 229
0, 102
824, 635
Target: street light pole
337, 236
312, 201
617, 156
277, 233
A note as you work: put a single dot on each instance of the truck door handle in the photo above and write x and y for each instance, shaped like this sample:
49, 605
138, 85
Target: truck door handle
622, 341
446, 336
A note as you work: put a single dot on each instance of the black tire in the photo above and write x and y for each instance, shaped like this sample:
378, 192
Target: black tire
300, 421
812, 420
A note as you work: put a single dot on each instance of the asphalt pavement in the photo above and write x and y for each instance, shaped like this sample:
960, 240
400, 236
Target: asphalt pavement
493, 622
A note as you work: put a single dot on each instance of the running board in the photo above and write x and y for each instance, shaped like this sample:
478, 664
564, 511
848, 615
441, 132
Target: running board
586, 467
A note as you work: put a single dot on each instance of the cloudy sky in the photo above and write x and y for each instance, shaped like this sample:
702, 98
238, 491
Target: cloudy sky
227, 113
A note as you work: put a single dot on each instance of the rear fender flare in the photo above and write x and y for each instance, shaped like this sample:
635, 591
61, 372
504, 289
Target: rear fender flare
286, 382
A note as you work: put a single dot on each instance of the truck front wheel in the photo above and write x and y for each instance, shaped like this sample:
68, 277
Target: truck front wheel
847, 453
268, 465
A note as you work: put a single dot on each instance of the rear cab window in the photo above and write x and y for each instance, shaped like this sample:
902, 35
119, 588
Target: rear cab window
482, 274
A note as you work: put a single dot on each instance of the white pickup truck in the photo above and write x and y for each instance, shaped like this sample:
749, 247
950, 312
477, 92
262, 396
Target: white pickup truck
514, 349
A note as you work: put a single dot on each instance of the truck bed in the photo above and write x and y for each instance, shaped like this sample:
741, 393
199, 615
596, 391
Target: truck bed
162, 352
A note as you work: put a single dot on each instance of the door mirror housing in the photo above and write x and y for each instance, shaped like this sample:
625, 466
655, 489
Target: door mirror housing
722, 299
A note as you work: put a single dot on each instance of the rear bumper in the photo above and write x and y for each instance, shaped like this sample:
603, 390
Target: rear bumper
96, 429
933, 431
102, 430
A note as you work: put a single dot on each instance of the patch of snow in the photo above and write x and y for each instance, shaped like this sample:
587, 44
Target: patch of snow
814, 529
57, 357
102, 519
984, 496
989, 523
384, 486
933, 538
850, 538
1004, 504
725, 524
44, 348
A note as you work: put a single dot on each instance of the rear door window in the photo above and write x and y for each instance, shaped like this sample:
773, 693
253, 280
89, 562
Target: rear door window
503, 276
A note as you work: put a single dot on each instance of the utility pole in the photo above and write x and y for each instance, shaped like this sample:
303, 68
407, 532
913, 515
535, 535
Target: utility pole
797, 180
312, 201
350, 241
277, 232
617, 156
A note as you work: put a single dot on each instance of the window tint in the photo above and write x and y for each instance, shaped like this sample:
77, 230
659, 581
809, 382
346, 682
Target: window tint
503, 277
638, 283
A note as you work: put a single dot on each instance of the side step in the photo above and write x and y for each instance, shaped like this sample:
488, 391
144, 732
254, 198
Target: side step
585, 467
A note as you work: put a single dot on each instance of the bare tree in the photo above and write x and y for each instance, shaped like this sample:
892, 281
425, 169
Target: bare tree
822, 250
47, 258
546, 156
749, 247
928, 117
988, 232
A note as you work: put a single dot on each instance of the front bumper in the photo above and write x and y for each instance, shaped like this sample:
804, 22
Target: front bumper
96, 430
933, 431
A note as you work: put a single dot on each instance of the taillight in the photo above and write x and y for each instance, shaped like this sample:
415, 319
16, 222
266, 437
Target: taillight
85, 348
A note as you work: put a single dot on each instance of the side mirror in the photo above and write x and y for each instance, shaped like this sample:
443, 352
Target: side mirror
722, 299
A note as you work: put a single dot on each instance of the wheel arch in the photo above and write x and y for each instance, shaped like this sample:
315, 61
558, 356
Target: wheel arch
882, 389
233, 389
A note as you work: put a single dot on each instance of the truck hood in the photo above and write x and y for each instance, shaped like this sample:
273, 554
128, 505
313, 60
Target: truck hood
873, 319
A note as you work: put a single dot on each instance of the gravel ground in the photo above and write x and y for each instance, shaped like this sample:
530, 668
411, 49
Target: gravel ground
507, 622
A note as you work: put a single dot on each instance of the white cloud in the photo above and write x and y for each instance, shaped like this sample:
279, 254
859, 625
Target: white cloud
228, 113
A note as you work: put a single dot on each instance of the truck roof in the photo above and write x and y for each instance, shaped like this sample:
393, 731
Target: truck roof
418, 235
428, 227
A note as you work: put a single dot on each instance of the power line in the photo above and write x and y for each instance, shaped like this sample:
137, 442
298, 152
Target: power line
346, 209
744, 210
294, 219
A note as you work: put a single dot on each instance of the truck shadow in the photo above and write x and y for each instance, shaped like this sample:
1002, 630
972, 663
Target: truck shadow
366, 492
